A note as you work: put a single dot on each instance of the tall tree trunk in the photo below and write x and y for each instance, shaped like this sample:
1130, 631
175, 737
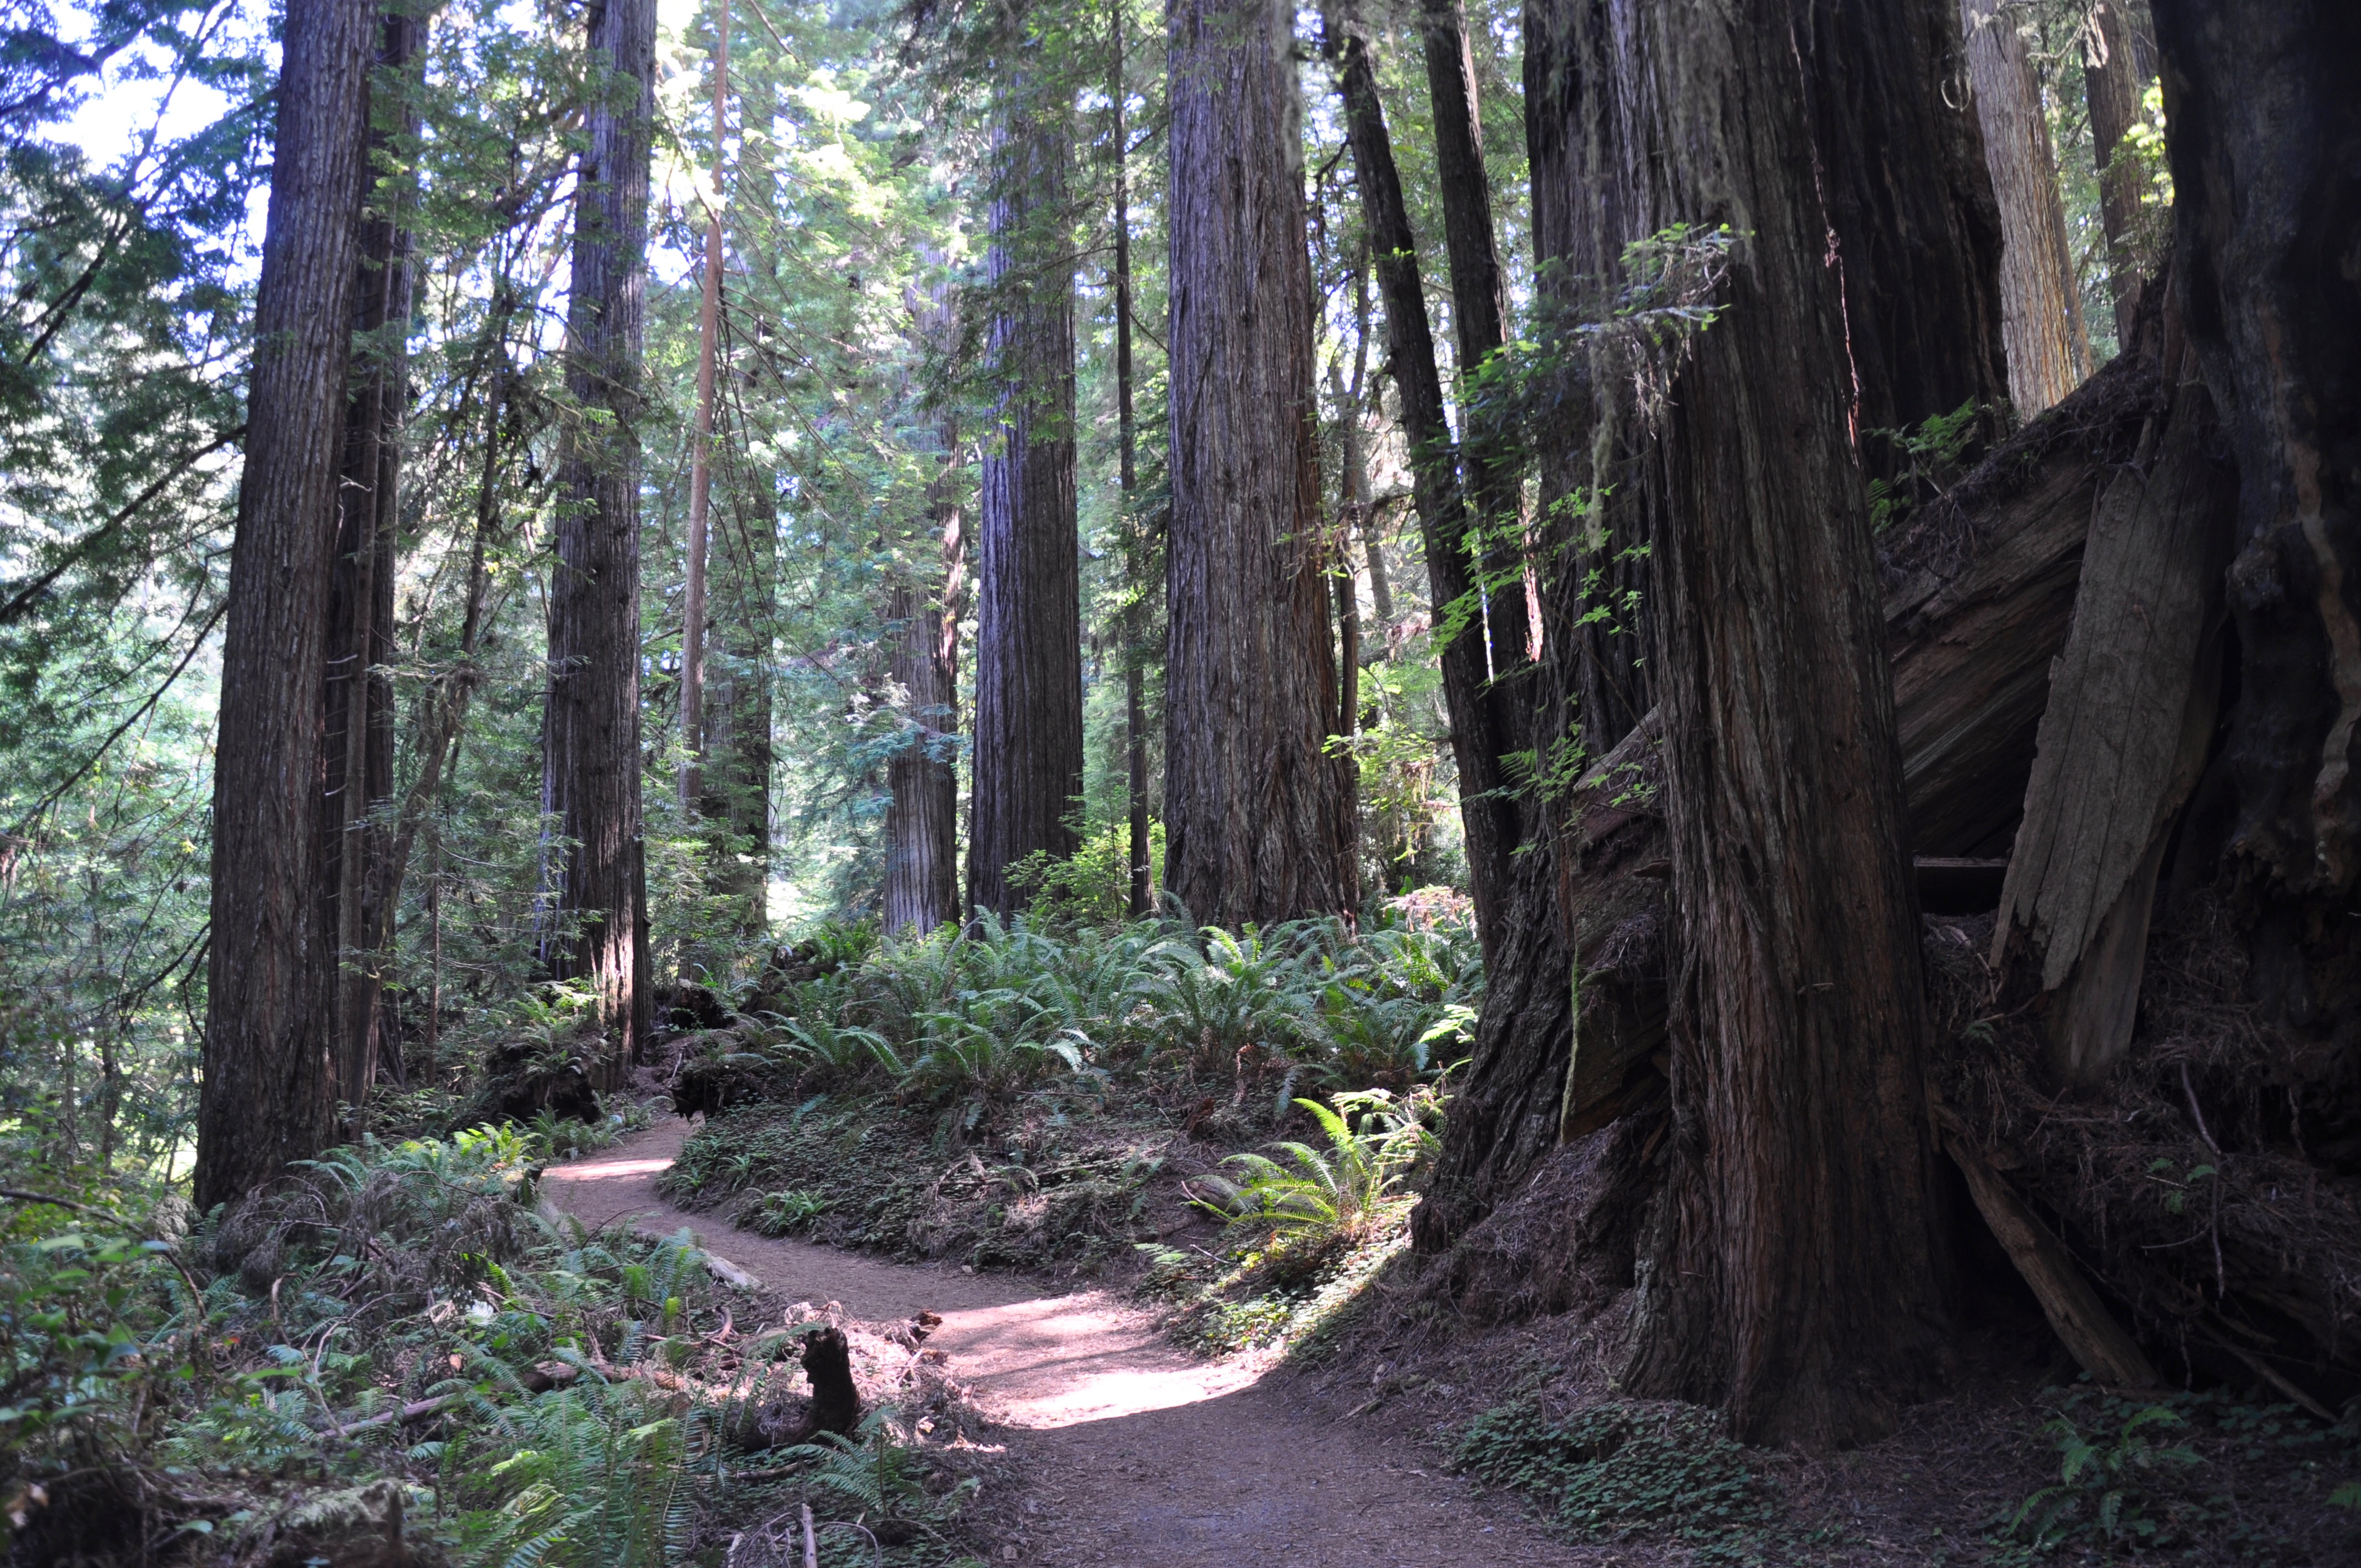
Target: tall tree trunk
590, 774
922, 815
1140, 878
922, 818
736, 779
2110, 87
1791, 1276
1258, 820
1923, 318
2260, 120
268, 1096
2048, 352
1352, 396
1028, 759
1480, 735
700, 469
357, 691
1479, 314
738, 696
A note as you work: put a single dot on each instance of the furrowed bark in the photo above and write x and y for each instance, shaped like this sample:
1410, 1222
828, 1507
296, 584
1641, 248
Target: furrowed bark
1923, 322
922, 819
268, 1096
2112, 82
2048, 352
1480, 737
357, 694
1980, 599
1028, 759
1918, 253
590, 778
1258, 815
1479, 314
1792, 1275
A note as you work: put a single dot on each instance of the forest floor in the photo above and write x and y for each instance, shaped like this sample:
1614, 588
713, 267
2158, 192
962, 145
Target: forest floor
1130, 1451
1108, 1445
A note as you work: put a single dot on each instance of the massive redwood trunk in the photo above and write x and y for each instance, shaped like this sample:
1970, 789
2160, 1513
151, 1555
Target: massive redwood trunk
359, 692
1258, 815
270, 1070
1980, 594
1791, 1272
2261, 122
590, 778
1481, 734
1028, 759
1924, 323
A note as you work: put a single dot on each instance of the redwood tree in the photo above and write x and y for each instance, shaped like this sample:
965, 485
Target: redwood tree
922, 776
1027, 760
357, 690
1479, 315
2112, 82
590, 771
2261, 120
1791, 1275
270, 1073
2048, 352
1258, 816
1916, 244
1481, 732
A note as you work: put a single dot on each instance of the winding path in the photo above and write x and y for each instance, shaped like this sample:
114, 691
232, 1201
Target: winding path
1139, 1456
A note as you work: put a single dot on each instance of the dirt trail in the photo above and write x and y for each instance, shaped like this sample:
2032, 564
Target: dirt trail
1139, 1455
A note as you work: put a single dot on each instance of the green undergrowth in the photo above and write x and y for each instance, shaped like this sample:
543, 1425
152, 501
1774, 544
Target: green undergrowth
1011, 1095
1619, 1469
2184, 1477
861, 1172
396, 1331
1308, 1226
996, 1028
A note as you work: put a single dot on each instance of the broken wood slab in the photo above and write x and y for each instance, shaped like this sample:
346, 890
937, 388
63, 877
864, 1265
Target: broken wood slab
2124, 739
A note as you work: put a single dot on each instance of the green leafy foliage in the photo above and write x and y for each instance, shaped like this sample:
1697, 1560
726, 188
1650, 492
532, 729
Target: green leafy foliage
1619, 1468
2106, 1478
1927, 461
1320, 1196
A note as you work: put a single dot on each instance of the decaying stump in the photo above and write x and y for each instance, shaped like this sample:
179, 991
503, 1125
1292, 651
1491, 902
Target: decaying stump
783, 1421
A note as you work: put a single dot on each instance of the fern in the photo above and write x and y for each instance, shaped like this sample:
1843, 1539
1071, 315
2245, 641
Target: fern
1320, 1196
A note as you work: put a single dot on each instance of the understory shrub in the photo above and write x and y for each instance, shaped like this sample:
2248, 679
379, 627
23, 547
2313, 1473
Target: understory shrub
1621, 1468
